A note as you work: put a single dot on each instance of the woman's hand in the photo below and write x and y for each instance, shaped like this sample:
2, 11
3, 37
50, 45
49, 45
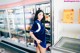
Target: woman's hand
38, 41
46, 30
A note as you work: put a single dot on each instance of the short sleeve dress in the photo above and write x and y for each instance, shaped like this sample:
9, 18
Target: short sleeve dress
38, 30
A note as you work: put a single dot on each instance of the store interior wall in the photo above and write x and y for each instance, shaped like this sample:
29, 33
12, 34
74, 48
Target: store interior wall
62, 29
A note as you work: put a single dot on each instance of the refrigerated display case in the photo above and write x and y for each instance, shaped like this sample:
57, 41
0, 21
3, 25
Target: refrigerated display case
20, 20
17, 29
16, 25
67, 45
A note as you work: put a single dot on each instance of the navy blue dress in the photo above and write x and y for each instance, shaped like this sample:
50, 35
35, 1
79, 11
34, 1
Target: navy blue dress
38, 30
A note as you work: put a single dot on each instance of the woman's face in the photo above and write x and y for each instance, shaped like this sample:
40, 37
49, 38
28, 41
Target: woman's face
40, 15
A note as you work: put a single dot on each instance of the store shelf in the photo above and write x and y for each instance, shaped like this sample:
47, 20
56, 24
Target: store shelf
3, 30
15, 33
23, 35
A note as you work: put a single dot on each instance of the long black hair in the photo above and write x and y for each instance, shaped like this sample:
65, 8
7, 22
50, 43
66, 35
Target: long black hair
36, 16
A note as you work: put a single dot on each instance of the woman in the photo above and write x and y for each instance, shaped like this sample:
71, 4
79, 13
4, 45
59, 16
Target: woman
37, 32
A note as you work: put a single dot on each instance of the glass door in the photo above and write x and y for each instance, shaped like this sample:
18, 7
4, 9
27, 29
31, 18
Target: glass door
16, 24
29, 15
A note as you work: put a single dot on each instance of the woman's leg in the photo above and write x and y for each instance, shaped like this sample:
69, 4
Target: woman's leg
42, 50
37, 49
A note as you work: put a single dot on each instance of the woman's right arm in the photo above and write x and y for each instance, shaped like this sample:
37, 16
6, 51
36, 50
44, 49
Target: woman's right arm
33, 36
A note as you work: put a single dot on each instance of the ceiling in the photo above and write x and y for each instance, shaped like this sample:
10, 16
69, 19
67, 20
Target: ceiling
3, 2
